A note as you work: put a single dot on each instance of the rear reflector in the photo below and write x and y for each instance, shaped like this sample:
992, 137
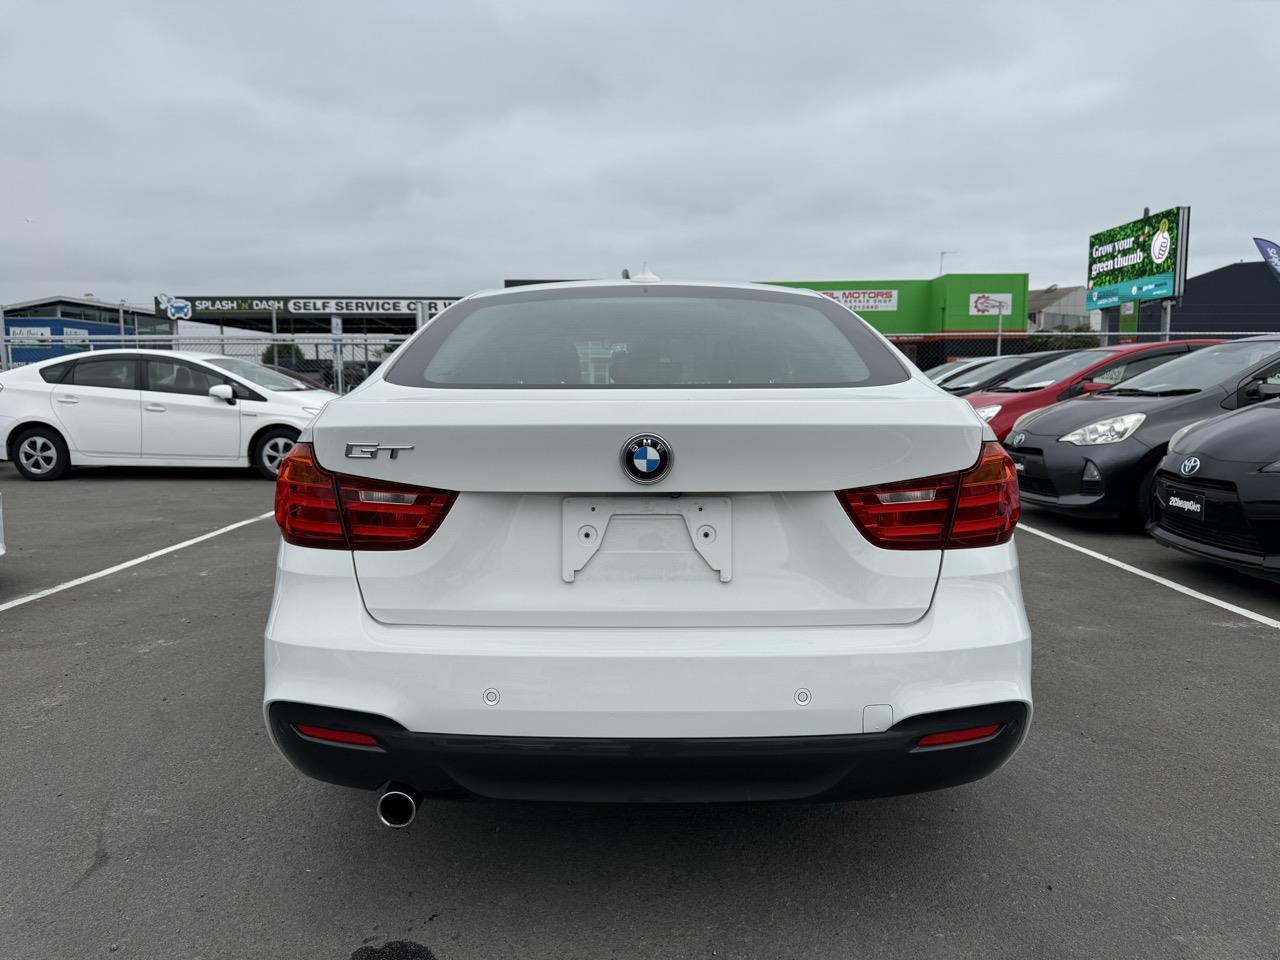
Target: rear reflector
977, 508
315, 508
958, 736
336, 736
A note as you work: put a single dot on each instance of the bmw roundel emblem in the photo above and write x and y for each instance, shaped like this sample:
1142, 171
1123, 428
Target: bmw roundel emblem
646, 458
1190, 466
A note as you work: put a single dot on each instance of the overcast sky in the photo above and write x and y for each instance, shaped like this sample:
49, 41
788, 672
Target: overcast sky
436, 148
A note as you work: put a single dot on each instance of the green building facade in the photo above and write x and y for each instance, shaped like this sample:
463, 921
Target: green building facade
957, 314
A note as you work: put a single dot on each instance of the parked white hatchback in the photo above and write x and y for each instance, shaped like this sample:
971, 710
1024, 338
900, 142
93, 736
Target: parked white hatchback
647, 541
159, 408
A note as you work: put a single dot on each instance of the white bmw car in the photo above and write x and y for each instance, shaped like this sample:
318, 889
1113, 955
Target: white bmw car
647, 541
164, 408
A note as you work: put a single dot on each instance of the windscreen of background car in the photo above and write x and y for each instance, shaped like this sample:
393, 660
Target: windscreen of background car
1054, 371
982, 373
1206, 368
256, 373
646, 337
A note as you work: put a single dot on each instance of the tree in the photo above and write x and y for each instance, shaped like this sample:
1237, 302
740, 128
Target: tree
283, 354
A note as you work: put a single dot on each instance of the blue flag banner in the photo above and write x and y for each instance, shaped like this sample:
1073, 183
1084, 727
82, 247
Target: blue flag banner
1270, 251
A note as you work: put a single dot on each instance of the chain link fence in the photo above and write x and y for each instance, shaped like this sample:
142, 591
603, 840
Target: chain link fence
341, 363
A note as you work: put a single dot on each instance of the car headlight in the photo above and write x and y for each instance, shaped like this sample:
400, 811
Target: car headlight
1180, 433
1110, 430
986, 413
312, 410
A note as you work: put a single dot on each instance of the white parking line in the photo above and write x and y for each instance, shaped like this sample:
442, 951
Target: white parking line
1239, 611
41, 594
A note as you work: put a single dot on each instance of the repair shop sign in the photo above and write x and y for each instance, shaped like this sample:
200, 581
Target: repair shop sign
990, 304
863, 301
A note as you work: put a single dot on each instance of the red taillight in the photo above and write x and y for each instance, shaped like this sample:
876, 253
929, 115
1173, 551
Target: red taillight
978, 508
315, 508
988, 507
336, 736
306, 503
958, 736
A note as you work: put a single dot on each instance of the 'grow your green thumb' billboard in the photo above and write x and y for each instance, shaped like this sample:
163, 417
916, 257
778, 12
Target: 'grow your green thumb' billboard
1145, 259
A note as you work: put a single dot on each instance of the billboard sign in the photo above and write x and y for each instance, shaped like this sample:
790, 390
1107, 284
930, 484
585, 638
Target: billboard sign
1145, 259
864, 301
194, 308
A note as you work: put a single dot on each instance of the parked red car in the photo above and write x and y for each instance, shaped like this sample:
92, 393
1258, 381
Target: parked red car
1085, 371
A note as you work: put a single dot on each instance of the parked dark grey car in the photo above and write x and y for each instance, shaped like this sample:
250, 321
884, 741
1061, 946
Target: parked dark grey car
1098, 455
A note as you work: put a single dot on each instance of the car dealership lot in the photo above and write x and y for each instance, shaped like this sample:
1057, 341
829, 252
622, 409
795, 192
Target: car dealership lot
146, 814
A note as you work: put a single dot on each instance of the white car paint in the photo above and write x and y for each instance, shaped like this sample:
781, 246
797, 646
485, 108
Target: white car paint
482, 631
107, 426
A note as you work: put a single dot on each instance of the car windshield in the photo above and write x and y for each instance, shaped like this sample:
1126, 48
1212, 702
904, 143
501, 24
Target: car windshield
1055, 370
944, 370
980, 373
646, 337
257, 374
1203, 368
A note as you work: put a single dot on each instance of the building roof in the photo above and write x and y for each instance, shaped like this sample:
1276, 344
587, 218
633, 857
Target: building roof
82, 301
1038, 301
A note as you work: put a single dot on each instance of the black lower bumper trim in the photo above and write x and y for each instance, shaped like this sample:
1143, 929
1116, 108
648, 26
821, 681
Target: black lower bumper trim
1267, 566
685, 770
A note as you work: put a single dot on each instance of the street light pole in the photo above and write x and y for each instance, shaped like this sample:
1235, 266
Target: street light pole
999, 327
942, 255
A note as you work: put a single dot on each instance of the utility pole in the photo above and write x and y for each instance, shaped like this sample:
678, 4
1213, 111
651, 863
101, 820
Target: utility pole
999, 327
275, 350
942, 255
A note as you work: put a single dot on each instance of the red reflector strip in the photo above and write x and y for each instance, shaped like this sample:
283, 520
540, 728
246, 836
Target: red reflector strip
958, 736
336, 736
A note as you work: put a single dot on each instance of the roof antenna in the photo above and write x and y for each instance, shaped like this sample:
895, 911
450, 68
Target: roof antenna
626, 274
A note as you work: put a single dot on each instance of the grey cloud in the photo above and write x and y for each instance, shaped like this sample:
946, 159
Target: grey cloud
440, 147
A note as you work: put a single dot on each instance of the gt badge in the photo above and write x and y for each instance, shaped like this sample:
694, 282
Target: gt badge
646, 458
370, 451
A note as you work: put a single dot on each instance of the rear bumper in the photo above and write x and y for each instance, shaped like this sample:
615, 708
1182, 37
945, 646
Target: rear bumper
633, 690
681, 770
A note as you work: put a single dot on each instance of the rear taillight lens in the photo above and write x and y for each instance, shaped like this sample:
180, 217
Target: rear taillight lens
315, 508
977, 508
307, 503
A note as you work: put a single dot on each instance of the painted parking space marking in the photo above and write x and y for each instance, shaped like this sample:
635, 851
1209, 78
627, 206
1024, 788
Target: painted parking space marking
1154, 578
88, 578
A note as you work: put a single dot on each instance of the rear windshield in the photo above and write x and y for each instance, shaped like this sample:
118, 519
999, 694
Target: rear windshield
646, 337
1055, 370
1206, 368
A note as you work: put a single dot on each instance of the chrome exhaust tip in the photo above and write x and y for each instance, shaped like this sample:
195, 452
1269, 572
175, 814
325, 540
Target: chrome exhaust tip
398, 806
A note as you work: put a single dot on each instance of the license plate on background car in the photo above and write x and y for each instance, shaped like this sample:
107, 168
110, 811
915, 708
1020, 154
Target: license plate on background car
1183, 503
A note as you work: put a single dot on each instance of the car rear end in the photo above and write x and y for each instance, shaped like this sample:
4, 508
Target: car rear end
647, 542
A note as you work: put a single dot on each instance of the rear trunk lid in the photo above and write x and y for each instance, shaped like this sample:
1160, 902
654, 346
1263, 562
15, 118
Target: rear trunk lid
535, 468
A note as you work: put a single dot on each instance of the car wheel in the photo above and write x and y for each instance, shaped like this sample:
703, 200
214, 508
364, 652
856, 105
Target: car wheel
271, 449
41, 454
1143, 507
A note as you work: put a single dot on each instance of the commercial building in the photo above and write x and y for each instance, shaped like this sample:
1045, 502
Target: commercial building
31, 326
1238, 298
305, 314
957, 314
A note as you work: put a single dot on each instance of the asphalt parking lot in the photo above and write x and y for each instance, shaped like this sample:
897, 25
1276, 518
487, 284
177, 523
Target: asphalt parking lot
146, 814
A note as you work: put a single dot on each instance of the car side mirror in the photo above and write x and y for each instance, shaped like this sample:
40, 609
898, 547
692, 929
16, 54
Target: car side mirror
223, 392
1094, 386
1258, 392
